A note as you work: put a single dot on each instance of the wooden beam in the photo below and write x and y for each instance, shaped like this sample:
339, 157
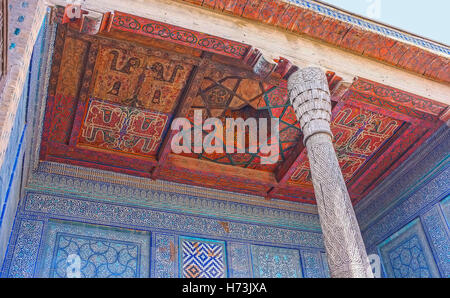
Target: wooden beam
285, 169
101, 158
185, 103
275, 42
198, 166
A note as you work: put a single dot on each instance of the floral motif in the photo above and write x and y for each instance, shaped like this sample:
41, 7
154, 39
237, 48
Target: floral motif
272, 262
407, 254
175, 34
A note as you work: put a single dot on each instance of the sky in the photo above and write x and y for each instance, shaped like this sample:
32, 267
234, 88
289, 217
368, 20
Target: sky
430, 18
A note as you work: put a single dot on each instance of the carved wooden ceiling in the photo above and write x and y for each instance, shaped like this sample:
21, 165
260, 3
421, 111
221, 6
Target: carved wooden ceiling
113, 95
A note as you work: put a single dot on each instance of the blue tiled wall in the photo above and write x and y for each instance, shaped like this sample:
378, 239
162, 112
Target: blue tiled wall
113, 239
407, 224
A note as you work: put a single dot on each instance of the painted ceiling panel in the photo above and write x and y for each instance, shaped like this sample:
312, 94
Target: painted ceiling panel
113, 96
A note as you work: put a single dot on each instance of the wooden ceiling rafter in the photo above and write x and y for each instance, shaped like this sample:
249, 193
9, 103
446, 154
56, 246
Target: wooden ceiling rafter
184, 104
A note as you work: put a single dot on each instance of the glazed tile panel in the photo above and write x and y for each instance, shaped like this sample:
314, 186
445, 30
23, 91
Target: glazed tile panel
274, 262
239, 260
145, 218
407, 254
164, 258
315, 264
103, 252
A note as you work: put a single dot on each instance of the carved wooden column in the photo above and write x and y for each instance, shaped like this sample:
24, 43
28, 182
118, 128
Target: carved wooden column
3, 38
310, 96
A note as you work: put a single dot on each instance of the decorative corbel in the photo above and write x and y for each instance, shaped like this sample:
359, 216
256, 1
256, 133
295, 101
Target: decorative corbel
281, 67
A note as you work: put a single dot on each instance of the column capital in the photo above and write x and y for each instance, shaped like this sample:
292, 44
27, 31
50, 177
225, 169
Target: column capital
310, 96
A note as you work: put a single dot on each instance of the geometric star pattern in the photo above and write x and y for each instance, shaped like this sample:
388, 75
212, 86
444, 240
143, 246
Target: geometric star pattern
408, 260
203, 259
407, 254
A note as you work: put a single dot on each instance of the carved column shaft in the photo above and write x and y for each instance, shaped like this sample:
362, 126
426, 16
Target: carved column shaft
310, 96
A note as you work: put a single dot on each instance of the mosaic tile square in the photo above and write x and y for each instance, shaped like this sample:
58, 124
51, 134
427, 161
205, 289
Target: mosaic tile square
202, 258
406, 254
313, 264
91, 251
274, 262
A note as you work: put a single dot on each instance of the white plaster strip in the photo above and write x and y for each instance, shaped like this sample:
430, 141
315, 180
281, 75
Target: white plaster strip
18, 61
